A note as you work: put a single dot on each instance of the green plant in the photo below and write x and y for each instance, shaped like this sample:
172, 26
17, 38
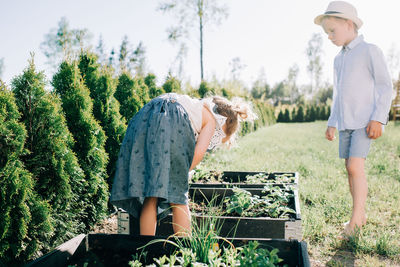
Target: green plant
249, 255
106, 108
24, 217
263, 178
242, 203
89, 140
204, 176
253, 256
273, 205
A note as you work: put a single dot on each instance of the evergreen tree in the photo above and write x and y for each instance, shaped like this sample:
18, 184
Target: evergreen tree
300, 114
307, 114
107, 112
172, 84
322, 113
293, 119
327, 112
313, 113
154, 90
318, 113
128, 96
280, 117
24, 217
142, 90
105, 107
286, 115
90, 139
205, 89
53, 165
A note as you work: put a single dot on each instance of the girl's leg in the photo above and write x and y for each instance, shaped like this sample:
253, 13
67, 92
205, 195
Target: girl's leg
181, 219
359, 191
148, 216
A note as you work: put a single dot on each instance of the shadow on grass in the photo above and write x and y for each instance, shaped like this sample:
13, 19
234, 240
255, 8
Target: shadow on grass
344, 254
341, 258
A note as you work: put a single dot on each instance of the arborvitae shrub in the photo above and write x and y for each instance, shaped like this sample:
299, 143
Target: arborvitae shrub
51, 161
24, 217
286, 115
293, 117
89, 136
280, 117
205, 89
127, 96
106, 108
172, 85
300, 114
154, 90
110, 119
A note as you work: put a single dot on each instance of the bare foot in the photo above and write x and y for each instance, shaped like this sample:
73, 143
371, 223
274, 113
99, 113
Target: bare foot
350, 229
364, 222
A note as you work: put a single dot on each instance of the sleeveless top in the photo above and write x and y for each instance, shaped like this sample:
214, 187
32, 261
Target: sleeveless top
194, 108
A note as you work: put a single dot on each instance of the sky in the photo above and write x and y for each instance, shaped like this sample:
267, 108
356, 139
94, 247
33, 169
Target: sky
268, 36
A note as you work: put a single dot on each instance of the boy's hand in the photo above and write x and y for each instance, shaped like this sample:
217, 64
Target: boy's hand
330, 133
374, 129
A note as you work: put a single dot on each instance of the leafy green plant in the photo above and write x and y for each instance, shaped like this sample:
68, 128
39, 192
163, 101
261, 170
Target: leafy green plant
242, 203
263, 178
273, 205
253, 256
204, 176
248, 255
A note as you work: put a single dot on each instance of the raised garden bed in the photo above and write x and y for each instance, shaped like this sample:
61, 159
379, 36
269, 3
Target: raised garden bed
234, 225
117, 250
235, 178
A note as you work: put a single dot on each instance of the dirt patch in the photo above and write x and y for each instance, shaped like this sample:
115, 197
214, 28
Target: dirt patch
107, 226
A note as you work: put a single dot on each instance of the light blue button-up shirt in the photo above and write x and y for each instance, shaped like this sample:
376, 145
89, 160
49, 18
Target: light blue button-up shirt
362, 86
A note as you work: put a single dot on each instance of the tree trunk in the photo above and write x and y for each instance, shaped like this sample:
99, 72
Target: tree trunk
201, 40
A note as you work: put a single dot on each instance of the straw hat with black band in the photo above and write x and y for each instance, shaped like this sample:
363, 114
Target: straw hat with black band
340, 9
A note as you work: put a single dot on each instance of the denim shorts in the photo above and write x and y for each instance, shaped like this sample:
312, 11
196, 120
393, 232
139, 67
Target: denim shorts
354, 143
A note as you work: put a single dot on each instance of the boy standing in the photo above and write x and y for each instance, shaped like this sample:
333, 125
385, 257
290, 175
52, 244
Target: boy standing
361, 99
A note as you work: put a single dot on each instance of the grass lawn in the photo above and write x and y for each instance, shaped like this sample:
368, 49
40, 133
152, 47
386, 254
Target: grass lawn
324, 192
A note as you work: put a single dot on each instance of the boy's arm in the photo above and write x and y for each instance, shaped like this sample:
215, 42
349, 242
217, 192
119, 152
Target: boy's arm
383, 85
333, 117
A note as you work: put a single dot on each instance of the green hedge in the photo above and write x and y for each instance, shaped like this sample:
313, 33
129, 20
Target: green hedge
266, 116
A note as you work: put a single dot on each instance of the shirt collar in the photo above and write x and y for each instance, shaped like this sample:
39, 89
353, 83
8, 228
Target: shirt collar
354, 43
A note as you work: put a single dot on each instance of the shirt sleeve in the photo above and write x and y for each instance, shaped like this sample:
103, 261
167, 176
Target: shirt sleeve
383, 85
333, 118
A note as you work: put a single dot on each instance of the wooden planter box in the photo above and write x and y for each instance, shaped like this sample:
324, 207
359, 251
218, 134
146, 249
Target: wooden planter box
117, 250
238, 227
235, 178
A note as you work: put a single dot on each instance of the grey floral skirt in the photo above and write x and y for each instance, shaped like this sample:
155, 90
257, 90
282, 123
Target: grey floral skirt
155, 157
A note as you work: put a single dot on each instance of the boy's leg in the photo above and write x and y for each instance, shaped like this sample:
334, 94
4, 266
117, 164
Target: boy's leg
181, 219
148, 216
359, 191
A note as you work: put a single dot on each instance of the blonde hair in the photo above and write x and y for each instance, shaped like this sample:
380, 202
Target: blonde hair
235, 111
343, 19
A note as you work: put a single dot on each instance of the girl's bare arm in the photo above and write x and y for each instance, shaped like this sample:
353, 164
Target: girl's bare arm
204, 138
